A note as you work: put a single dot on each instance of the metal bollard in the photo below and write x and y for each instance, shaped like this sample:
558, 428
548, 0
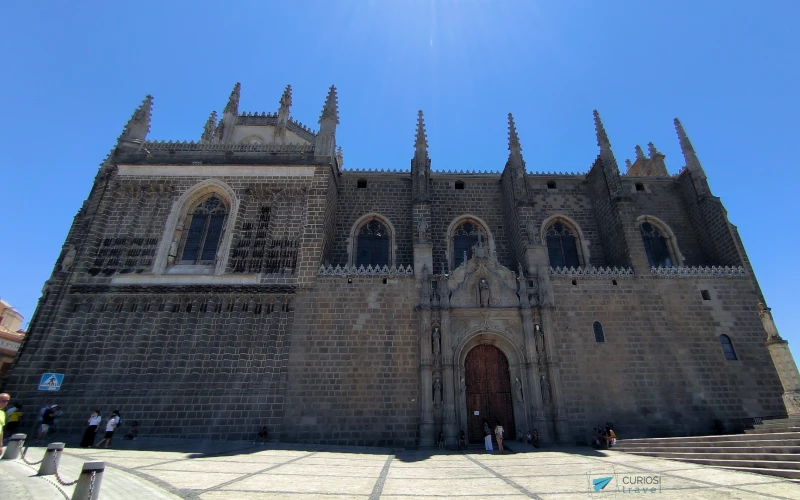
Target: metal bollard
14, 445
51, 458
88, 487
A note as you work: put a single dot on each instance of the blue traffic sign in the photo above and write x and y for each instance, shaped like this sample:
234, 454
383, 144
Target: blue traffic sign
51, 381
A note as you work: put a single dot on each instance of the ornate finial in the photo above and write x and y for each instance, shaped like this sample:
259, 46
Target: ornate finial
421, 137
340, 156
286, 98
331, 108
651, 148
233, 100
639, 153
138, 126
513, 139
209, 128
602, 137
628, 163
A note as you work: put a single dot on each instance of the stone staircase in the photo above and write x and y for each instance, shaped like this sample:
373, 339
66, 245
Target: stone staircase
776, 451
791, 424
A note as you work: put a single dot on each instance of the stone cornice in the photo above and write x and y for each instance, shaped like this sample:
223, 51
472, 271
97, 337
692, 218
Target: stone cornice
182, 289
699, 272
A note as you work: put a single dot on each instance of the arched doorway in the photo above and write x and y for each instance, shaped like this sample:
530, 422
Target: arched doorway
488, 391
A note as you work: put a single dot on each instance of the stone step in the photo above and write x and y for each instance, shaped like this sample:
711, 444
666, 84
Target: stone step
788, 450
758, 457
718, 462
771, 430
726, 437
791, 474
748, 443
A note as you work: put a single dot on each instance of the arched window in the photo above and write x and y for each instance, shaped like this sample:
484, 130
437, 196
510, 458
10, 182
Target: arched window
202, 232
727, 348
655, 245
464, 238
562, 247
373, 245
599, 336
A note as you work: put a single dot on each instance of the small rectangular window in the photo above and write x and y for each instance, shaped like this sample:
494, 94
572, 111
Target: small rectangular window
362, 184
705, 294
459, 184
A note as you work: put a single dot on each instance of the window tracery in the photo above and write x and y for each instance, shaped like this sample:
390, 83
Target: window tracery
655, 246
465, 237
202, 232
562, 246
727, 348
372, 247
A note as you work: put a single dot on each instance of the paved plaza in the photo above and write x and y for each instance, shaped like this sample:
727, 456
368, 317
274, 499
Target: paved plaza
211, 471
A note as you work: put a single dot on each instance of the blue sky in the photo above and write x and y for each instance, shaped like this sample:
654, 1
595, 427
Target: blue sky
75, 71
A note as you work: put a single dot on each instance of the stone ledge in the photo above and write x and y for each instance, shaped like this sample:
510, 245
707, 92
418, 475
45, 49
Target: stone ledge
591, 272
185, 279
407, 271
699, 272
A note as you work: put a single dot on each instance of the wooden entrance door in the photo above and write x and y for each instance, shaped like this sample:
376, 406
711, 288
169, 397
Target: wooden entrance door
488, 391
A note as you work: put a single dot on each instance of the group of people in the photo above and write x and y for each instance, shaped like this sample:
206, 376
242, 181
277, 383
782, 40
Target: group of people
498, 435
604, 438
112, 423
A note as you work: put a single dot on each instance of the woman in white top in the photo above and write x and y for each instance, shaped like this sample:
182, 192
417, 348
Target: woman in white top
91, 430
111, 426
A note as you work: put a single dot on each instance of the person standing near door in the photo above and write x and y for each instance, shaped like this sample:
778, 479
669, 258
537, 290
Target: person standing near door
498, 434
487, 432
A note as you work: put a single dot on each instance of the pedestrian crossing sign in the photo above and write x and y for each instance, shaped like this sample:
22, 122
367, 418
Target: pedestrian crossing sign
51, 381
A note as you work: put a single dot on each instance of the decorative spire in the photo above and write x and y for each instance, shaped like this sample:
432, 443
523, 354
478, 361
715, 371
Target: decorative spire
513, 139
210, 128
602, 137
331, 109
639, 153
340, 156
286, 98
420, 164
628, 163
651, 148
692, 162
421, 137
233, 100
138, 126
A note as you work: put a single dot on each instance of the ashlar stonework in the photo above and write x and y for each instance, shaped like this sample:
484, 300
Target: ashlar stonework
208, 288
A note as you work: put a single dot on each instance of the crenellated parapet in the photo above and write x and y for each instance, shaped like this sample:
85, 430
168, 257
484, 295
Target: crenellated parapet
591, 272
699, 272
203, 146
347, 270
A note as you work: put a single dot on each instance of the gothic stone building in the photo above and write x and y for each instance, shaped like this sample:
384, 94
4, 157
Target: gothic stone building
208, 288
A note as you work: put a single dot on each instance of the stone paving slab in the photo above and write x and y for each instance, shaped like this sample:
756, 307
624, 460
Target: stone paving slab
240, 470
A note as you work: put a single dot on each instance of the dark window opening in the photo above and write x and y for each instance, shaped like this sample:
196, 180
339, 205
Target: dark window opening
562, 246
203, 232
599, 336
574, 282
655, 246
361, 184
705, 294
176, 308
551, 184
459, 184
189, 308
639, 186
614, 282
464, 238
727, 348
385, 281
373, 245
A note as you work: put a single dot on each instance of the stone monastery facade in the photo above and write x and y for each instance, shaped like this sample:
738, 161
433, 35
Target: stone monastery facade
208, 288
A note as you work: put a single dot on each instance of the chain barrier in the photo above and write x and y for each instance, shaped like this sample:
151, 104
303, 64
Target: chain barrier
91, 485
24, 451
58, 477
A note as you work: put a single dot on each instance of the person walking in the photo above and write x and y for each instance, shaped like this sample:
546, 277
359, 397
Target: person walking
487, 432
498, 434
111, 426
4, 399
48, 419
91, 430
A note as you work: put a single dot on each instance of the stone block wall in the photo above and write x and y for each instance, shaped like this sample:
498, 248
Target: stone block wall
195, 365
354, 367
607, 217
661, 370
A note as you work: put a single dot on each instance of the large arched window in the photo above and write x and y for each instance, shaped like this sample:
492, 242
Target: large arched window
656, 246
562, 246
465, 237
372, 248
727, 348
202, 232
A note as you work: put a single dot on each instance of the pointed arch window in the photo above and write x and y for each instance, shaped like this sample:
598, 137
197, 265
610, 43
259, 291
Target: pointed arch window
727, 348
562, 246
373, 245
655, 246
465, 237
202, 232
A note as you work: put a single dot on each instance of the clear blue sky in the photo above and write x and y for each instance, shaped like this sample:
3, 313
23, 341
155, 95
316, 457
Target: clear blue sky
75, 71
